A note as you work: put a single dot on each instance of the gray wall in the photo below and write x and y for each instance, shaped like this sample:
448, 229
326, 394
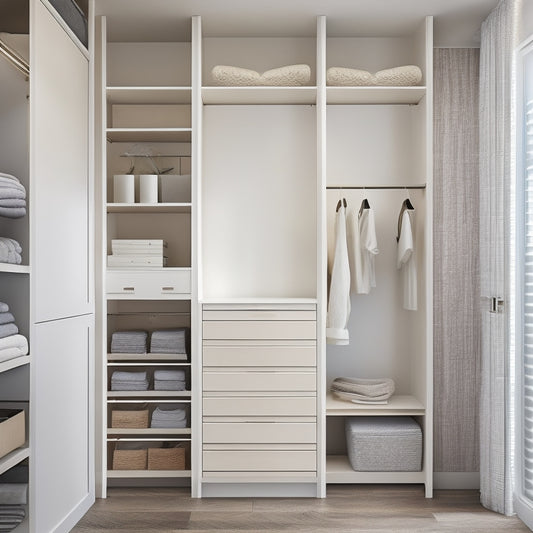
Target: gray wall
457, 342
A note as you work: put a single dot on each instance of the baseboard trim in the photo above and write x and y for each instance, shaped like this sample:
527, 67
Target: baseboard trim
75, 515
456, 480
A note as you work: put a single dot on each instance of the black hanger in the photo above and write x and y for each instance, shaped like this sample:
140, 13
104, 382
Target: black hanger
341, 202
364, 205
406, 205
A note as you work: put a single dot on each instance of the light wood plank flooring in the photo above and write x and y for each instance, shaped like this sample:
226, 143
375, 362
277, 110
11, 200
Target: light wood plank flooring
347, 508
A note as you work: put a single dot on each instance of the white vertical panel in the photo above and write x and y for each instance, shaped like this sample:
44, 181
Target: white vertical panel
60, 485
59, 126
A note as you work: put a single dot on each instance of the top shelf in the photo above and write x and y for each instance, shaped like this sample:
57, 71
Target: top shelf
375, 95
258, 95
149, 95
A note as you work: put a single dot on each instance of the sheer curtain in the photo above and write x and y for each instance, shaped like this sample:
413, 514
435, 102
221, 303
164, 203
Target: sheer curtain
498, 40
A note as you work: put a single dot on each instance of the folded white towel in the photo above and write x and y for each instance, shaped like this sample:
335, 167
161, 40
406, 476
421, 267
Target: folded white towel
15, 341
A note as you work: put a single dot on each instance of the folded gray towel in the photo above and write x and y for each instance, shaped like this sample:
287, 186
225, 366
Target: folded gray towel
129, 376
169, 375
6, 318
168, 424
11, 202
13, 493
12, 193
129, 342
4, 308
6, 330
169, 385
12, 212
129, 385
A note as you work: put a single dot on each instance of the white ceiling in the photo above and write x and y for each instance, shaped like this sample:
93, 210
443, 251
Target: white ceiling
457, 22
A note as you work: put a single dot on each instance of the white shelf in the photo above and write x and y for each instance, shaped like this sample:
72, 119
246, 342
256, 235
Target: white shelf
14, 363
149, 95
339, 470
149, 134
148, 363
258, 300
258, 95
374, 95
14, 458
14, 269
146, 357
146, 432
132, 474
397, 406
150, 208
149, 394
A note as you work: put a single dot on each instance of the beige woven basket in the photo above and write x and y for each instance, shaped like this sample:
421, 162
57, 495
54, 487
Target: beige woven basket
129, 459
137, 419
166, 458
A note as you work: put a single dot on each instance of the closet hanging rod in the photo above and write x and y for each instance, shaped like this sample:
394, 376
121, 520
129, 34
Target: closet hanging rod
15, 59
392, 187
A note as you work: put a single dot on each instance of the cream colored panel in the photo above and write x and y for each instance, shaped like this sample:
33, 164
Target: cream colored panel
259, 314
244, 433
259, 461
275, 329
152, 284
242, 355
259, 381
258, 406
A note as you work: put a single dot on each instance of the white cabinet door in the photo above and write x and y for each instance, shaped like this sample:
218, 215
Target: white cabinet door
62, 484
60, 183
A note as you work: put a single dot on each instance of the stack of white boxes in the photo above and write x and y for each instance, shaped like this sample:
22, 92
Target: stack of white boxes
137, 253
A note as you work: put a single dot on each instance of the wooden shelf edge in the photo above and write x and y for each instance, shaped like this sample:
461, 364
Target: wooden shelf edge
15, 269
14, 458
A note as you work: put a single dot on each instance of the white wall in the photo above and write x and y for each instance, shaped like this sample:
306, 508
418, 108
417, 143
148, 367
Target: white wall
526, 23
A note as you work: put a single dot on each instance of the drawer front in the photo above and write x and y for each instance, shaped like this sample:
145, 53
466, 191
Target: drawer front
259, 314
243, 355
259, 406
259, 433
259, 329
260, 381
142, 284
259, 461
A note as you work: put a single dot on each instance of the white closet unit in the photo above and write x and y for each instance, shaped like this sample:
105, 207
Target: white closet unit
145, 125
45, 120
379, 146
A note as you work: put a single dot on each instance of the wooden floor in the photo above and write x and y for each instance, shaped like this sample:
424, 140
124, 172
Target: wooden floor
347, 508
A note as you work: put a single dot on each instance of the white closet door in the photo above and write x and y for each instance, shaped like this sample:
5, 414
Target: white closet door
59, 127
62, 485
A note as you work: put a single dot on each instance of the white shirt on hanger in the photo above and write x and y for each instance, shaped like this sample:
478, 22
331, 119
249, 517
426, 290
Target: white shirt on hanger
339, 305
354, 252
369, 250
407, 262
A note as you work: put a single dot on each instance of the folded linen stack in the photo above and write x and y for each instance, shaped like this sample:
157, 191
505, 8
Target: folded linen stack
13, 498
11, 343
169, 416
169, 380
169, 341
129, 342
129, 381
365, 391
10, 251
137, 253
12, 197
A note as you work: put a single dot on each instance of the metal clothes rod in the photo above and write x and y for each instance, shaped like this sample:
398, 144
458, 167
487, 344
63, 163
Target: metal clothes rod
15, 59
399, 187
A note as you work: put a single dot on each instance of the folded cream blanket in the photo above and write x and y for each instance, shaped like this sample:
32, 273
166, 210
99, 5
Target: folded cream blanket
404, 76
364, 389
288, 76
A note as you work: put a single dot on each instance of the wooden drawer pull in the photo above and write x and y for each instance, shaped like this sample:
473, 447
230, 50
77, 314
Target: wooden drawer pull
128, 288
167, 288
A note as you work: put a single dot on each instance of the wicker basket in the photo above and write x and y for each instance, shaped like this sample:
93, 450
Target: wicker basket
166, 458
137, 419
129, 459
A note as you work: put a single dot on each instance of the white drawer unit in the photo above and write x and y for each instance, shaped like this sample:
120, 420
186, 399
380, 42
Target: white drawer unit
260, 381
171, 283
263, 355
259, 461
260, 433
259, 329
260, 406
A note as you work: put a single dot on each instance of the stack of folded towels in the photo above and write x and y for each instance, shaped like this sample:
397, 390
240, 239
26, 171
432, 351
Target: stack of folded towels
10, 251
129, 342
129, 381
13, 498
169, 416
169, 380
11, 343
171, 341
365, 391
12, 197
137, 253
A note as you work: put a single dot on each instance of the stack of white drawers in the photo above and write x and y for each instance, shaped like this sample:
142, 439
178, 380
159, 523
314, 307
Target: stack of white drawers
259, 392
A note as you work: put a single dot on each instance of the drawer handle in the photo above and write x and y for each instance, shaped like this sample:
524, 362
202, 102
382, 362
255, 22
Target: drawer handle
167, 288
128, 288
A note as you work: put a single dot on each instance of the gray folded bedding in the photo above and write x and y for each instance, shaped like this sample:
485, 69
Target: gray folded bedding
169, 385
12, 212
6, 318
13, 493
11, 202
6, 330
4, 308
